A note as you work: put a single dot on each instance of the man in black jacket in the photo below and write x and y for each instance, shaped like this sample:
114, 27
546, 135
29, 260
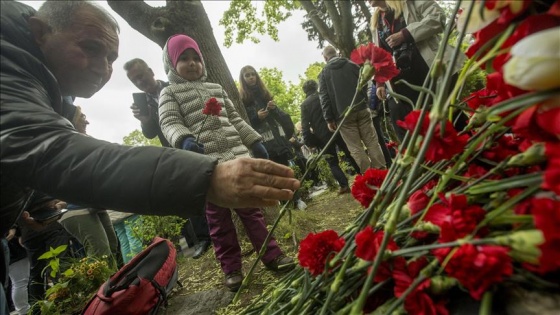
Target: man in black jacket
67, 48
142, 76
337, 85
317, 134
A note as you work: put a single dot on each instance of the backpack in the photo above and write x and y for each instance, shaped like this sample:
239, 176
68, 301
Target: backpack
141, 286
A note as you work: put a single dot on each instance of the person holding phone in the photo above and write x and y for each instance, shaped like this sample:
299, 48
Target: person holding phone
145, 105
145, 109
274, 125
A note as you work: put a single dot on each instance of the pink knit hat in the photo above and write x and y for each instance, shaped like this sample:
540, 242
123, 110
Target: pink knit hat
177, 44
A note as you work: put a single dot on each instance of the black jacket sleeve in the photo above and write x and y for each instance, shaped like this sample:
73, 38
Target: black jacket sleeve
151, 129
326, 104
41, 150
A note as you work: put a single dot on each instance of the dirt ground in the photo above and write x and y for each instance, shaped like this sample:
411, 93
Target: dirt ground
326, 211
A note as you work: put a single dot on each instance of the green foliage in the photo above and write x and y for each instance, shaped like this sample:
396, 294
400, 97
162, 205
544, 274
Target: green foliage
137, 139
249, 17
287, 96
324, 173
73, 288
474, 82
312, 71
150, 226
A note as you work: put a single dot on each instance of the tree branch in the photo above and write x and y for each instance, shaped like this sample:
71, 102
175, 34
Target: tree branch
145, 19
320, 25
365, 10
335, 17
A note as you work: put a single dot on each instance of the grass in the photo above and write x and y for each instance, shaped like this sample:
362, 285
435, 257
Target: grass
326, 211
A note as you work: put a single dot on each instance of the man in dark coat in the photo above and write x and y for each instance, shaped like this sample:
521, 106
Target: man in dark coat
67, 48
142, 76
337, 85
316, 133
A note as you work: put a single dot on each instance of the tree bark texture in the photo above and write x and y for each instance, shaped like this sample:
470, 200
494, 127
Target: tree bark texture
187, 17
341, 33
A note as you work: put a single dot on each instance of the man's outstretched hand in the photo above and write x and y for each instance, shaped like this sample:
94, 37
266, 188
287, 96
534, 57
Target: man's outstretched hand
251, 183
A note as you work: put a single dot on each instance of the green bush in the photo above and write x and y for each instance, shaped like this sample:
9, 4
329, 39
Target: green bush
150, 226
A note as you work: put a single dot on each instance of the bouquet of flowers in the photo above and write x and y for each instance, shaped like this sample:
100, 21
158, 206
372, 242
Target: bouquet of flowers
459, 212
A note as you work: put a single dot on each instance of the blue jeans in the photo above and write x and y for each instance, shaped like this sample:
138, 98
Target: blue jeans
130, 245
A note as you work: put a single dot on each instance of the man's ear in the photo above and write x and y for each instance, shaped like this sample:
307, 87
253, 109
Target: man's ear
39, 29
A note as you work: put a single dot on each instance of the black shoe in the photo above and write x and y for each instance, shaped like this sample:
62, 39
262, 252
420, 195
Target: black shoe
200, 248
234, 280
280, 263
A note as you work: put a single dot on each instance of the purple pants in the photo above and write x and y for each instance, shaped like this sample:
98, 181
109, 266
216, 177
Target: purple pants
224, 237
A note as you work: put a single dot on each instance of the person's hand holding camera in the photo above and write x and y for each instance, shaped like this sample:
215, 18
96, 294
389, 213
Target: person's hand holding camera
263, 113
190, 144
270, 105
395, 40
138, 114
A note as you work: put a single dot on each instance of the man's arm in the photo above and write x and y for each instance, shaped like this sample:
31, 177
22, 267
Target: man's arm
41, 150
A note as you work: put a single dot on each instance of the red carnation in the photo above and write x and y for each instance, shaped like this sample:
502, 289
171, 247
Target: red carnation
315, 249
477, 267
379, 58
539, 123
552, 171
484, 97
418, 301
367, 248
441, 147
546, 214
212, 107
366, 186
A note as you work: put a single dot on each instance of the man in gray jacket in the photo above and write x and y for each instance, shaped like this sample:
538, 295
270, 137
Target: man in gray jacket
337, 85
67, 48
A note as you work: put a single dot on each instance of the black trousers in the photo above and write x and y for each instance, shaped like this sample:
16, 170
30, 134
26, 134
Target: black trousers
195, 230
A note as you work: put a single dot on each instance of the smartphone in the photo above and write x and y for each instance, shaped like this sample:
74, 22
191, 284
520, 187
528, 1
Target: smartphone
48, 216
141, 102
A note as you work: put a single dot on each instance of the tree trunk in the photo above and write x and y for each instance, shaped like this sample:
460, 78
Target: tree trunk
186, 17
341, 34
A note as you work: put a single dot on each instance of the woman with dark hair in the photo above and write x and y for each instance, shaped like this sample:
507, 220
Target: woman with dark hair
275, 126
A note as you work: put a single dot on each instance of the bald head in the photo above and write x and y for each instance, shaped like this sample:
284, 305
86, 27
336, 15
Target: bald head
329, 52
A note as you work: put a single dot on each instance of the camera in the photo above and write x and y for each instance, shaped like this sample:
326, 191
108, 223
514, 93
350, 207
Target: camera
403, 56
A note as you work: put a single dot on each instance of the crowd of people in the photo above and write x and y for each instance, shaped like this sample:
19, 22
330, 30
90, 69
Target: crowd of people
209, 165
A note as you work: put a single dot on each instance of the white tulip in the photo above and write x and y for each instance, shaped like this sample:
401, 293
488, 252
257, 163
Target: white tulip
535, 61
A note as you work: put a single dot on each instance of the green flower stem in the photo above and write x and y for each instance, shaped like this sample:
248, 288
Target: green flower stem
416, 249
525, 180
439, 104
201, 128
486, 304
510, 203
511, 219
335, 286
